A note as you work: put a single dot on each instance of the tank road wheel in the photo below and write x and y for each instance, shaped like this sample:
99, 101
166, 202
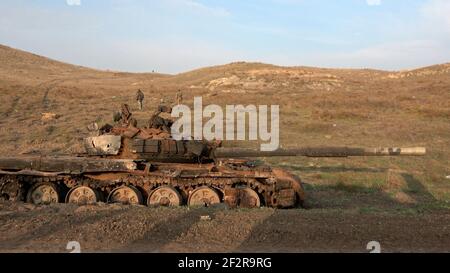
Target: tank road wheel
249, 199
43, 194
11, 191
204, 197
82, 195
126, 195
164, 196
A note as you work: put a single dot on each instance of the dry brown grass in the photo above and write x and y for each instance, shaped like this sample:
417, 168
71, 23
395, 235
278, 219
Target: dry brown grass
318, 107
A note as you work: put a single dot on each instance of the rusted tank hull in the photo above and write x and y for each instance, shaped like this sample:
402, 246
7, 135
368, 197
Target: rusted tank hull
89, 180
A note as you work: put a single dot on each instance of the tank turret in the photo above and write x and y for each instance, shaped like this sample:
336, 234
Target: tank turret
167, 149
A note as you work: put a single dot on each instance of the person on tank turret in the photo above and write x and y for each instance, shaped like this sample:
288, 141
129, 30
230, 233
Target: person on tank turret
158, 122
125, 117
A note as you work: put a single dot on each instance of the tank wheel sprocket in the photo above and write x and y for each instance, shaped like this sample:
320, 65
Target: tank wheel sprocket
249, 199
128, 195
165, 196
43, 194
203, 197
11, 189
83, 195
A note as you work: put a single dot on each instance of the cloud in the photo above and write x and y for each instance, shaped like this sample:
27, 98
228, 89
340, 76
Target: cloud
373, 2
387, 56
436, 14
34, 29
73, 2
166, 55
400, 55
196, 6
136, 45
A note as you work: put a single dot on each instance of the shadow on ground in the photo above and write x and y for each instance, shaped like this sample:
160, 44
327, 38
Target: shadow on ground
162, 233
54, 226
345, 219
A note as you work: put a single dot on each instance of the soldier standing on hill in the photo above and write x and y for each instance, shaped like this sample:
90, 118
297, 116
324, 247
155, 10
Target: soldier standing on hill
140, 98
179, 97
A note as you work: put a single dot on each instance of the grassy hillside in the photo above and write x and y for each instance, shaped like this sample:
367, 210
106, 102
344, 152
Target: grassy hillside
318, 107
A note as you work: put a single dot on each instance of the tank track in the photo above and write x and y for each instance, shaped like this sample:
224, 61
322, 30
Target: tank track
151, 189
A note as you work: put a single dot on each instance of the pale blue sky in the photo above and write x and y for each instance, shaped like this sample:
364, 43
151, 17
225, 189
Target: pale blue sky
177, 35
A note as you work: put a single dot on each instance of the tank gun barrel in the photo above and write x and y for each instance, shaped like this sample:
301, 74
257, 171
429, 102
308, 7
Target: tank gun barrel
319, 152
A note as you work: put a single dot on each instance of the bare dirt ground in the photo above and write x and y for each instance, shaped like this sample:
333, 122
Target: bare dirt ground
117, 228
404, 203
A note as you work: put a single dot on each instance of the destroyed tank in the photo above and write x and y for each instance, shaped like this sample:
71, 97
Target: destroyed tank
129, 165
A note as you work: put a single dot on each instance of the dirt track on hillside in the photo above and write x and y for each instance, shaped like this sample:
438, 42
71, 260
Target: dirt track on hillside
117, 228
